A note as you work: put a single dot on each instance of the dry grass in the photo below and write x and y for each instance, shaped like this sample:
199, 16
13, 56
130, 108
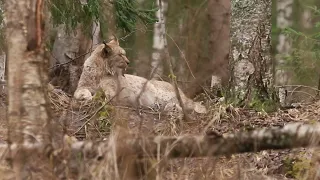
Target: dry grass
97, 121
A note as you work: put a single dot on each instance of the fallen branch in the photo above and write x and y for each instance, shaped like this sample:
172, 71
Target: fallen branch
290, 136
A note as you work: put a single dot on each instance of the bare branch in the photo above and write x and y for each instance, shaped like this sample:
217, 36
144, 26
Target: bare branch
288, 137
61, 64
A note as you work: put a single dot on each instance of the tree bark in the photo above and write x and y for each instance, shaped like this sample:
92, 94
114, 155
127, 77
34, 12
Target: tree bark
158, 41
66, 48
251, 43
219, 16
28, 115
217, 69
2, 71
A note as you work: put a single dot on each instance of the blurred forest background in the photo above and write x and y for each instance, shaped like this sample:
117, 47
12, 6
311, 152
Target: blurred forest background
288, 39
234, 55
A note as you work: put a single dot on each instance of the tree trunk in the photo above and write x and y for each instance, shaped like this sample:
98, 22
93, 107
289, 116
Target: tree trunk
251, 43
214, 56
219, 16
2, 68
158, 41
284, 20
66, 48
28, 115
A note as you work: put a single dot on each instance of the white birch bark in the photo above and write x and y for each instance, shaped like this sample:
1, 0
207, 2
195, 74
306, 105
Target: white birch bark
2, 67
28, 117
2, 72
158, 40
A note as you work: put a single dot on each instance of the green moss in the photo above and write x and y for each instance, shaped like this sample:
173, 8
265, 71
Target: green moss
104, 114
313, 121
257, 101
267, 106
297, 167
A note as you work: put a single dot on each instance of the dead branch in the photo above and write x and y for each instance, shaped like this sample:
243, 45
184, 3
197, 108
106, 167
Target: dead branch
288, 137
61, 64
95, 113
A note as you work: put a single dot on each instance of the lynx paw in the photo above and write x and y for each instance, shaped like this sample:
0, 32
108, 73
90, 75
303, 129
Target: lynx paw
83, 94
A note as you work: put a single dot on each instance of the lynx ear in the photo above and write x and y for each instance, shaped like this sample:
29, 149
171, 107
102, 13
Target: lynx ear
114, 40
107, 49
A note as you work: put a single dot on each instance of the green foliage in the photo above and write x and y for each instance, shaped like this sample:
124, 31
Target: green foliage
71, 13
304, 59
172, 77
267, 106
267, 103
263, 104
297, 167
103, 116
127, 13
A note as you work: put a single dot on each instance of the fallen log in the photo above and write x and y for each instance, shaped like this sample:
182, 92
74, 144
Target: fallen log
287, 137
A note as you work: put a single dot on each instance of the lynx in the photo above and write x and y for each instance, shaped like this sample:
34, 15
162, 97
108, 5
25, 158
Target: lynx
105, 68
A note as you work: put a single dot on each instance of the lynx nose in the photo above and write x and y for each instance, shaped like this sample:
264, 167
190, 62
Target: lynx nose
126, 60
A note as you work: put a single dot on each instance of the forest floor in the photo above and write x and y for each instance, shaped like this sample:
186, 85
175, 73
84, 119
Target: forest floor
299, 163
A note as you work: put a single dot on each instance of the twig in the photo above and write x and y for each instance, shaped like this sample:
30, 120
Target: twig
184, 58
61, 64
187, 63
140, 29
314, 98
134, 109
97, 112
142, 90
315, 89
145, 84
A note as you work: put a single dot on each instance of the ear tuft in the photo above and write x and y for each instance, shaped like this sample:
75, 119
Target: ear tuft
114, 40
107, 49
104, 42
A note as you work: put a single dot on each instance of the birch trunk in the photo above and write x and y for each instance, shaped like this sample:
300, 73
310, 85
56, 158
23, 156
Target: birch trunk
158, 41
27, 73
2, 75
251, 58
2, 67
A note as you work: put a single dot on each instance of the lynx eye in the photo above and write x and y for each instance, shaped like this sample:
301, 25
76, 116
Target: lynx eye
123, 52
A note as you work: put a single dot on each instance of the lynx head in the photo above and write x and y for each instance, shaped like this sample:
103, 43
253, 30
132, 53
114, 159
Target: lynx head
116, 60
